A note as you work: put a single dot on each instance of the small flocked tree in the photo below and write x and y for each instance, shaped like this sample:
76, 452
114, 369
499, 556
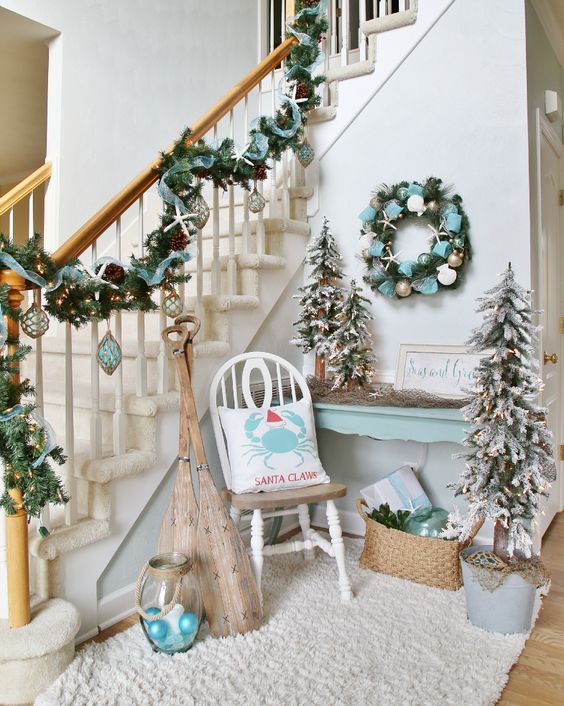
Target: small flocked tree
320, 298
351, 354
510, 459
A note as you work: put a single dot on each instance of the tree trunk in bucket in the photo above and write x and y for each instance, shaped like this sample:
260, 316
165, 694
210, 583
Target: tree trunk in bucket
501, 540
319, 367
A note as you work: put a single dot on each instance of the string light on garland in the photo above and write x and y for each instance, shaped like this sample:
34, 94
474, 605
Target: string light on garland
440, 268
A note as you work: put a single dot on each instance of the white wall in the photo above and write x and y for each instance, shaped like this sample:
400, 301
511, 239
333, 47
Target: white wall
132, 74
456, 109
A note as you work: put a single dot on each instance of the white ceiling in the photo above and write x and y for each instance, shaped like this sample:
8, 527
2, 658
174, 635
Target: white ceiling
23, 95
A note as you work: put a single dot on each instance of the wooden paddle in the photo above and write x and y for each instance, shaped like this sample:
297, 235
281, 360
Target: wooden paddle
179, 526
232, 600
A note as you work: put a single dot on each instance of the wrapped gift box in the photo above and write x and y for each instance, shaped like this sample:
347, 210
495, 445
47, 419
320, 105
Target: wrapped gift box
400, 489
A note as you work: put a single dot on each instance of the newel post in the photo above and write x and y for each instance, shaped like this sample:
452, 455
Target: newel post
17, 552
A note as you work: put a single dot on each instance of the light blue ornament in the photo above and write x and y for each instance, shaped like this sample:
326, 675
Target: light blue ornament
367, 215
108, 353
188, 623
152, 611
460, 242
426, 522
424, 258
453, 222
157, 630
448, 209
393, 209
403, 193
442, 249
406, 267
388, 288
376, 249
414, 190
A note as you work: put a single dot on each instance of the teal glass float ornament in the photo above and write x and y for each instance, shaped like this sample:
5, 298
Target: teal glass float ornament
169, 603
427, 522
403, 193
34, 322
424, 258
305, 154
108, 354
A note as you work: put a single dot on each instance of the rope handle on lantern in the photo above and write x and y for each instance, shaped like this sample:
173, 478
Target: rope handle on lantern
165, 609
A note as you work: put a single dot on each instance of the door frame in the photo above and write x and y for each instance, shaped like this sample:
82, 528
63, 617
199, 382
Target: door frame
544, 129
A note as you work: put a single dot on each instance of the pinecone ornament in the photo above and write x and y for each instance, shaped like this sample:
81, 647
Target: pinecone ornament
178, 241
302, 91
114, 273
260, 172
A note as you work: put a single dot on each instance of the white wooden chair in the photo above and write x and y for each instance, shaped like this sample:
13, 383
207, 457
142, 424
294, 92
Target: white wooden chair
253, 380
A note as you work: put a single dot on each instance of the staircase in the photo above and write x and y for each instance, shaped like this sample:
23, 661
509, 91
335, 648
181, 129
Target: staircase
121, 433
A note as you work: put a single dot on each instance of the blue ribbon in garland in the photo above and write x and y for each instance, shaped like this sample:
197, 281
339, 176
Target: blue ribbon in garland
156, 277
315, 10
183, 165
67, 271
50, 438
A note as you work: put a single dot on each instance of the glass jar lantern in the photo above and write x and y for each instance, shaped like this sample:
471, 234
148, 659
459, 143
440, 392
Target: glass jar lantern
169, 603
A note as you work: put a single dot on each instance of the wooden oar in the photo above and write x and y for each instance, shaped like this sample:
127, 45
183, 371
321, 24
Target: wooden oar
231, 597
179, 526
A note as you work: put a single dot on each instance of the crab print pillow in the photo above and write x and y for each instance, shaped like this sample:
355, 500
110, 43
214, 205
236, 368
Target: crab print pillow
272, 449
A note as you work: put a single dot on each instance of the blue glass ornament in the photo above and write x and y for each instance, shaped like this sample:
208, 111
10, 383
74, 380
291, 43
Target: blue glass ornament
442, 249
426, 522
459, 241
376, 249
305, 154
453, 222
188, 623
415, 190
403, 193
424, 258
108, 353
34, 322
153, 610
157, 629
367, 215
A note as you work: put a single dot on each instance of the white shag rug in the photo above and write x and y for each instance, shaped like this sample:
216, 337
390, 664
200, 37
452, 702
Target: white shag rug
397, 643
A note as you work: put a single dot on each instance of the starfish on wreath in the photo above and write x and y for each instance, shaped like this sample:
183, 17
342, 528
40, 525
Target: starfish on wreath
391, 258
386, 223
437, 232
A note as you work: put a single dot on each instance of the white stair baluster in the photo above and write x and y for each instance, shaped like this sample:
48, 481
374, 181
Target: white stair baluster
11, 225
141, 378
285, 192
3, 564
95, 418
70, 482
273, 209
215, 264
333, 27
361, 36
119, 416
30, 217
162, 359
345, 32
260, 234
200, 313
38, 359
246, 231
231, 261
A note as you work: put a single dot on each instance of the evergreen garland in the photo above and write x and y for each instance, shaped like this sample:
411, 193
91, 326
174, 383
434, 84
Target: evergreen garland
510, 461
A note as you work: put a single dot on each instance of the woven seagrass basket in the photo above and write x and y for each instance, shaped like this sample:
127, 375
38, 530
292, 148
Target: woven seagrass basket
433, 562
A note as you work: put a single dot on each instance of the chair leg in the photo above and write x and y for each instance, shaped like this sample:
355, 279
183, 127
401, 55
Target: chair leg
257, 544
339, 549
235, 515
303, 516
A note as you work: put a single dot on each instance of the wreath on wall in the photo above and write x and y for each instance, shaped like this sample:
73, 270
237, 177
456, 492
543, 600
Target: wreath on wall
442, 266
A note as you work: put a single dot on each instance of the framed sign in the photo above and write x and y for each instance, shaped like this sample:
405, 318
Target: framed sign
442, 370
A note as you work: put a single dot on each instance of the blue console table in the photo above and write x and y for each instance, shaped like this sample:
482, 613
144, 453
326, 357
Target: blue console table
403, 423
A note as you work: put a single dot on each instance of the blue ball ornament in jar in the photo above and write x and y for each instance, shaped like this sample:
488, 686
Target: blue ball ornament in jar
169, 603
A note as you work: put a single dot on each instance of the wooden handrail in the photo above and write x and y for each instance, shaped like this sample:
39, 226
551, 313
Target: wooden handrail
25, 187
100, 221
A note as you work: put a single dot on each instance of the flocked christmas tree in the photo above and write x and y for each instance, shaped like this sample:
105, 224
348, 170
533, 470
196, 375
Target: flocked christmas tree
351, 354
510, 460
320, 298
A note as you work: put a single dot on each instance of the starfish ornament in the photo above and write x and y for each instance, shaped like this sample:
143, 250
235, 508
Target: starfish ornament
180, 220
386, 223
239, 155
437, 232
391, 258
97, 278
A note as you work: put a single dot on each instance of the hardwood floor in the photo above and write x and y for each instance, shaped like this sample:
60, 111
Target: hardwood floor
538, 677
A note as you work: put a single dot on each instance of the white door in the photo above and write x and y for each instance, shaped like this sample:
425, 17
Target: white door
549, 152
